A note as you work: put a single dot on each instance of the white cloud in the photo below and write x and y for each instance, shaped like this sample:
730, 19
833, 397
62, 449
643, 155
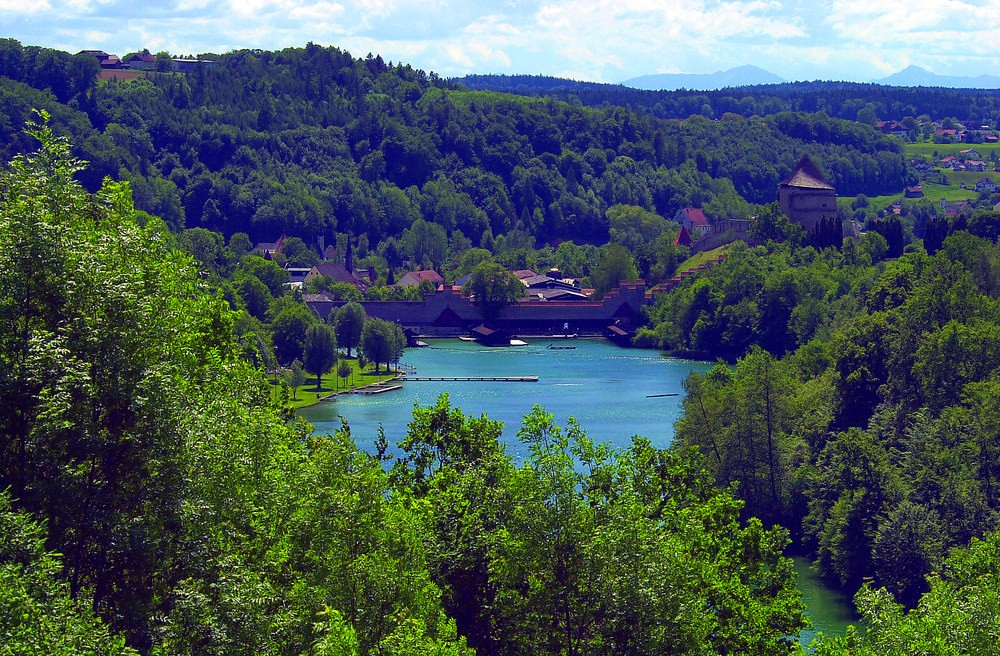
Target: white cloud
26, 8
602, 40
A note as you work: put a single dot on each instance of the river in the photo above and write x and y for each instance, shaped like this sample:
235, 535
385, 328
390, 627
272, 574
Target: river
613, 393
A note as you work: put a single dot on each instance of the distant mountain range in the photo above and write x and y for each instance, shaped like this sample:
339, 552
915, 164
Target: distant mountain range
914, 76
747, 76
741, 76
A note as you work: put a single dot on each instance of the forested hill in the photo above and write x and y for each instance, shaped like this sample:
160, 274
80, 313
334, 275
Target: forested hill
837, 99
309, 141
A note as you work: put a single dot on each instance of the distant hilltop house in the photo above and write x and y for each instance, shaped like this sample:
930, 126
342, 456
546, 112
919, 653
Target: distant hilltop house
956, 208
142, 61
146, 62
891, 127
916, 191
806, 197
683, 238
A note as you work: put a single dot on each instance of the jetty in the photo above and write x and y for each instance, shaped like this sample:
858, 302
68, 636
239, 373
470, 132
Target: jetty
474, 379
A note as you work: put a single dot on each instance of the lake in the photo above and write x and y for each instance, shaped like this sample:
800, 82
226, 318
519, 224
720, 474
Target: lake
613, 392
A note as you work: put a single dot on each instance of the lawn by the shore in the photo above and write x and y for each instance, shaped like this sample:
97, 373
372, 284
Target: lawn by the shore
307, 394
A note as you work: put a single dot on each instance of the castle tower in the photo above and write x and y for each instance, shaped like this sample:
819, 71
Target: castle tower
806, 197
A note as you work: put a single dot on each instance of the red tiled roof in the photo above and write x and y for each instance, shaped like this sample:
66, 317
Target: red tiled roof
695, 216
683, 238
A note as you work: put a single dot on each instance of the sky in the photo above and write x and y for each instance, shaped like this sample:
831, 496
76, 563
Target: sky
592, 40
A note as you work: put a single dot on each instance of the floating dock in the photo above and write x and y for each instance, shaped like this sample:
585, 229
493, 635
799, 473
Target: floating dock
475, 379
377, 389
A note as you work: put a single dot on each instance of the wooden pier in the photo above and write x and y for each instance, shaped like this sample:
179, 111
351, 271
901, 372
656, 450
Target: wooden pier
377, 389
475, 379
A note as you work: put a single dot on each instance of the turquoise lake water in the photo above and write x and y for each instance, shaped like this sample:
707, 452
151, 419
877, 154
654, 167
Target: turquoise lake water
605, 387
614, 393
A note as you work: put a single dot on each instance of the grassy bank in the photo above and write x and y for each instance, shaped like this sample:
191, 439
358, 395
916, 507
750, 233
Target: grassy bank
698, 259
308, 394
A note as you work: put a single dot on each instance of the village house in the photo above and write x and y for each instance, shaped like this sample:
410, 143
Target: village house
969, 153
414, 278
361, 279
921, 166
269, 248
976, 166
986, 185
552, 287
957, 208
693, 219
914, 192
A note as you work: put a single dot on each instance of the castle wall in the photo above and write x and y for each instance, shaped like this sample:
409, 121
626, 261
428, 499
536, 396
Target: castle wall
447, 313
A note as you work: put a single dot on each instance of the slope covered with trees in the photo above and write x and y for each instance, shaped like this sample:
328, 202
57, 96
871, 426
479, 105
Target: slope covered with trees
310, 141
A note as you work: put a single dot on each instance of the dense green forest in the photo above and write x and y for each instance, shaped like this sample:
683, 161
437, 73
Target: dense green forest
158, 500
837, 99
309, 141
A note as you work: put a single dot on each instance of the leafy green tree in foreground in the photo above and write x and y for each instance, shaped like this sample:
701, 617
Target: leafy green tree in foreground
37, 613
583, 550
191, 517
959, 615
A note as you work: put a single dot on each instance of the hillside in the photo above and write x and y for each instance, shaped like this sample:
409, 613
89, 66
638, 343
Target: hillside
311, 141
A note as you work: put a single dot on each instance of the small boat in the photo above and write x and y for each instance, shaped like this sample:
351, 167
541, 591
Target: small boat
560, 348
518, 342
466, 338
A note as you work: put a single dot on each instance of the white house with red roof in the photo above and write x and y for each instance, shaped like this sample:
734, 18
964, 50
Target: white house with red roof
414, 278
693, 219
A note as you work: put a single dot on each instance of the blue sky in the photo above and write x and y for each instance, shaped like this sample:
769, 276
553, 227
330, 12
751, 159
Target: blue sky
597, 40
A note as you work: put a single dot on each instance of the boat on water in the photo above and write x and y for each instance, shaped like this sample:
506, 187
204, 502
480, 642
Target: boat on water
518, 342
553, 347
